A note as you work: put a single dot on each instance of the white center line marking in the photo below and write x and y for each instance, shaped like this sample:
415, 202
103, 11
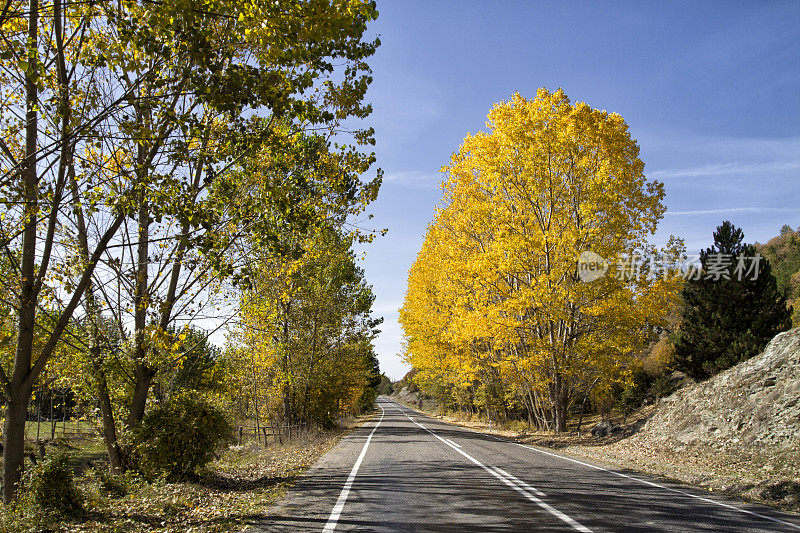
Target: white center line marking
520, 483
532, 493
337, 509
453, 443
502, 477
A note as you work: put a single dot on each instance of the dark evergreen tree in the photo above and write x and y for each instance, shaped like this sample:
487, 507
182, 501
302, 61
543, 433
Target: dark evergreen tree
732, 310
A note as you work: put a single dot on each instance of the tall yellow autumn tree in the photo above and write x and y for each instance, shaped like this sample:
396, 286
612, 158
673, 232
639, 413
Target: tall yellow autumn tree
496, 289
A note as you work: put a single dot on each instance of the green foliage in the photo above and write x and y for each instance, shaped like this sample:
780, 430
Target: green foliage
113, 485
367, 401
663, 386
305, 351
727, 320
134, 111
175, 439
385, 386
633, 393
52, 486
783, 253
199, 366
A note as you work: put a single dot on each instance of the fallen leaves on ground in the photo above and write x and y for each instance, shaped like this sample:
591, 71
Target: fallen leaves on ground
238, 488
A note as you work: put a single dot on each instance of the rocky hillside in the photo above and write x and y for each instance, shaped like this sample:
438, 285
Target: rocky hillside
738, 432
755, 404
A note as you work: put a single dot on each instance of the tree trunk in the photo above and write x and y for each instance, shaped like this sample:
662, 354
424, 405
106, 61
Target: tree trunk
19, 388
559, 404
144, 377
115, 461
52, 414
14, 443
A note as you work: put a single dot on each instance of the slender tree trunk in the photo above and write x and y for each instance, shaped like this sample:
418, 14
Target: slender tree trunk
18, 390
38, 415
142, 374
559, 404
113, 448
256, 412
288, 414
52, 414
583, 411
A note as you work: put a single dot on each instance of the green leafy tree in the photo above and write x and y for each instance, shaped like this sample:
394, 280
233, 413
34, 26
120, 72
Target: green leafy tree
732, 307
306, 327
117, 120
196, 367
180, 436
385, 386
783, 253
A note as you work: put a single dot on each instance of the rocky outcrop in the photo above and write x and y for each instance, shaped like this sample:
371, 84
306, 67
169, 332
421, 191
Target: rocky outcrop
406, 395
603, 429
754, 405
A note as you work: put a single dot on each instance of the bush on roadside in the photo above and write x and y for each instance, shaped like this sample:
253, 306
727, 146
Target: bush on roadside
367, 402
176, 439
51, 485
662, 387
517, 426
114, 486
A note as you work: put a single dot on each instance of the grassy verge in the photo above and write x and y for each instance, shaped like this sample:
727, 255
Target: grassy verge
241, 486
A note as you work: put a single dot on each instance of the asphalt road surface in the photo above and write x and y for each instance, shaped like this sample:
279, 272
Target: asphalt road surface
408, 472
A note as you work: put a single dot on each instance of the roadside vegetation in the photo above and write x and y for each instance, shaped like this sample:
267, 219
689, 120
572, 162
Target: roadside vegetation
175, 176
235, 490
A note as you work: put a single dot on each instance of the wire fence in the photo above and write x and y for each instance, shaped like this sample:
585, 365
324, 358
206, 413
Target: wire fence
274, 433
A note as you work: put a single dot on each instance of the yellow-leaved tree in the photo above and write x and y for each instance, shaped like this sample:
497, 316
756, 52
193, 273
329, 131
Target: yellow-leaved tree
496, 294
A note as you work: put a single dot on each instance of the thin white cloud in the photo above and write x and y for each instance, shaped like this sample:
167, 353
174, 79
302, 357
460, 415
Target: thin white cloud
413, 179
731, 210
722, 169
386, 309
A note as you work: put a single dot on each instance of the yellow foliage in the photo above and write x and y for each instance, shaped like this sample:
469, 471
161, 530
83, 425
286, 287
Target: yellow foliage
496, 286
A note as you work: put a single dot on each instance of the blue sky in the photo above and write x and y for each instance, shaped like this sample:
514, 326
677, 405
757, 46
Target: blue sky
711, 91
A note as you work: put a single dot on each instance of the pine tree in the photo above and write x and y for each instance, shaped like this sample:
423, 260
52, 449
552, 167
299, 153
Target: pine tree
731, 310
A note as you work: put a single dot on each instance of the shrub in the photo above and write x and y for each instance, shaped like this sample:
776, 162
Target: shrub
517, 426
367, 402
52, 486
664, 385
112, 485
177, 438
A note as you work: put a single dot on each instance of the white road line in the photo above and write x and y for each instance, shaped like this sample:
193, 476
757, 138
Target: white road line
620, 474
529, 495
644, 481
337, 509
520, 482
453, 443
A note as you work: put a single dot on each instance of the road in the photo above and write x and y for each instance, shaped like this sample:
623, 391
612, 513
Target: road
405, 471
